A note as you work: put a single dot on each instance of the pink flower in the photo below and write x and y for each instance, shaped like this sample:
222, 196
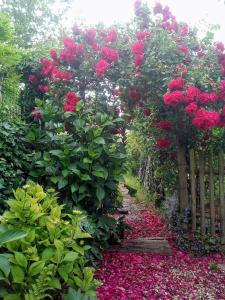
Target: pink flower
176, 84
101, 67
111, 55
143, 35
43, 88
53, 54
36, 114
146, 112
207, 98
134, 94
166, 125
138, 60
164, 143
205, 120
183, 48
173, 98
138, 47
32, 78
191, 108
220, 46
184, 30
110, 37
192, 93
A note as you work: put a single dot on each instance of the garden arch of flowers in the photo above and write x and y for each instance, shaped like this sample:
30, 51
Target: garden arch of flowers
154, 77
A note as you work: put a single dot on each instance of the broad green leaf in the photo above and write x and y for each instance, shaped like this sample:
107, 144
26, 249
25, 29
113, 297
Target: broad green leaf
62, 183
74, 187
99, 141
17, 274
12, 235
100, 193
4, 265
21, 259
70, 256
36, 268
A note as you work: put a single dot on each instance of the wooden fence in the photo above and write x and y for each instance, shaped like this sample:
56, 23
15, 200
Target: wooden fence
201, 188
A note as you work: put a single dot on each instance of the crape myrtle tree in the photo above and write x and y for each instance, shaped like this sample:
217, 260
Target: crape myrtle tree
154, 71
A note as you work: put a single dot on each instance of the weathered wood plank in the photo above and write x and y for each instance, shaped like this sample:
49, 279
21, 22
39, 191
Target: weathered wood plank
202, 190
211, 194
222, 199
193, 189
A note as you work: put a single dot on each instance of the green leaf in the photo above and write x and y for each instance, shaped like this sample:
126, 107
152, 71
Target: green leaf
99, 141
85, 177
12, 297
74, 187
21, 259
62, 183
4, 265
47, 253
63, 272
100, 193
36, 268
100, 172
73, 168
55, 283
12, 235
17, 274
70, 256
65, 173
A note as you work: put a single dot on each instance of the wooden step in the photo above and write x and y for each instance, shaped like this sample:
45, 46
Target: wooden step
157, 245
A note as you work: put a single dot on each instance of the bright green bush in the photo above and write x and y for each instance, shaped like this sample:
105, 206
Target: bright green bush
51, 257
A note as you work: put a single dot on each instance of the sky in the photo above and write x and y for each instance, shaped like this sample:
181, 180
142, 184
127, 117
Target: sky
118, 11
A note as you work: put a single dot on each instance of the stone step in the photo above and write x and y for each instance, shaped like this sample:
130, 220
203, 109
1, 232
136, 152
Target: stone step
157, 245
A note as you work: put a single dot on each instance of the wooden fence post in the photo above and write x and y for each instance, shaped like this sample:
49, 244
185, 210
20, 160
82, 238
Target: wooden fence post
202, 190
222, 199
211, 192
193, 189
182, 174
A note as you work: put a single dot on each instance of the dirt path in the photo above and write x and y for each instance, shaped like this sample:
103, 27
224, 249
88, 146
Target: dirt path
145, 276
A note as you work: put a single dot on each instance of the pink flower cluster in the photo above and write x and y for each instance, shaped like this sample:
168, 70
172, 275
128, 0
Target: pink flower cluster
71, 101
137, 49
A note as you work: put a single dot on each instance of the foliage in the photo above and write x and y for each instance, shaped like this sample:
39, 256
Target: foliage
13, 158
52, 253
84, 163
196, 244
77, 295
35, 20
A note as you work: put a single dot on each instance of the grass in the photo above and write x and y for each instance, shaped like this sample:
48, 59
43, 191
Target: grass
142, 193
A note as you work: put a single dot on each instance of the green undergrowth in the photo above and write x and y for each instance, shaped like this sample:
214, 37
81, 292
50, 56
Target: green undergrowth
137, 189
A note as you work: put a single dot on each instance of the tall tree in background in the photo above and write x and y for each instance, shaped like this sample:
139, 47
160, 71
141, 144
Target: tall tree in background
35, 19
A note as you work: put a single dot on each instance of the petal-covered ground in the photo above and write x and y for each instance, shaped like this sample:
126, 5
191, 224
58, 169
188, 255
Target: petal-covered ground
135, 276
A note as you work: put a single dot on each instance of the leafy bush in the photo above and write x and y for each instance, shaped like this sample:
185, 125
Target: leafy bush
51, 257
84, 163
13, 158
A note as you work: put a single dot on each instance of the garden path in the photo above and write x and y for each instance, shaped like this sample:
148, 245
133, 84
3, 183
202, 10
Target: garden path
148, 276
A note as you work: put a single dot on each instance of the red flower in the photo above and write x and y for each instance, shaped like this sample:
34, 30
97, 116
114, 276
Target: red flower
47, 67
166, 125
138, 60
146, 112
101, 67
68, 42
43, 88
207, 98
164, 143
53, 54
138, 47
72, 98
36, 114
111, 55
191, 108
183, 48
66, 76
110, 37
143, 35
191, 94
176, 84
205, 120
68, 107
32, 78
117, 131
173, 98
